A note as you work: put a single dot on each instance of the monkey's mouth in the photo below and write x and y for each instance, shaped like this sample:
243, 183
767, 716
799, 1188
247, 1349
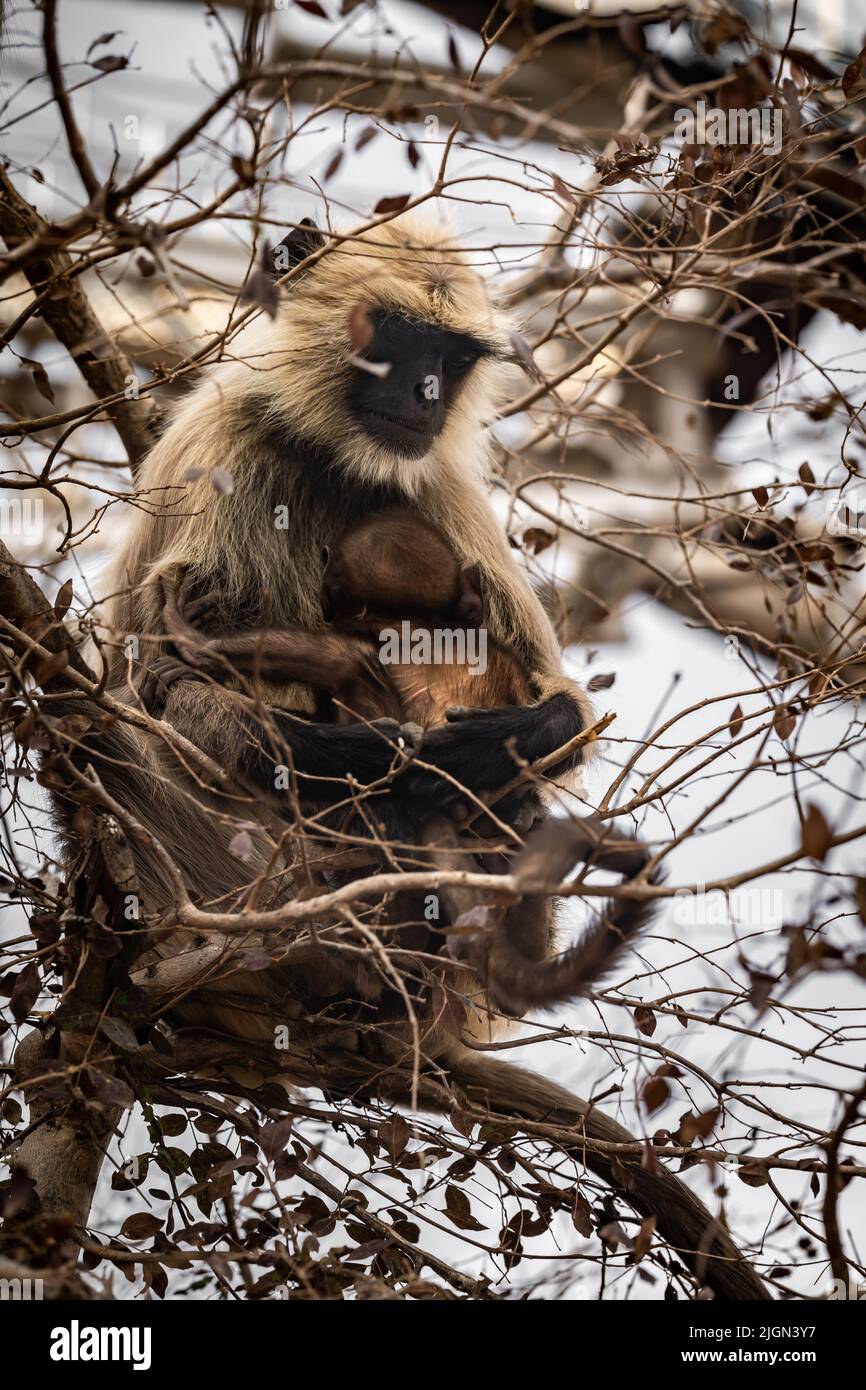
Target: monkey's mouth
400, 432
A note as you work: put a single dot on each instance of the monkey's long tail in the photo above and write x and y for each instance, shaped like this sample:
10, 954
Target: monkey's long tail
517, 982
526, 984
683, 1221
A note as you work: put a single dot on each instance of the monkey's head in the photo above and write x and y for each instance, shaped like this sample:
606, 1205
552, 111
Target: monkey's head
389, 350
428, 366
395, 565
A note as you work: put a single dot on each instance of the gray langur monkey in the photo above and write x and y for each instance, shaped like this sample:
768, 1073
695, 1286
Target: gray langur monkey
370, 390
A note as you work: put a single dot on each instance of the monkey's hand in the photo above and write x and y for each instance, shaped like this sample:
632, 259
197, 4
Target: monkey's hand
478, 754
183, 620
484, 749
406, 735
548, 684
157, 678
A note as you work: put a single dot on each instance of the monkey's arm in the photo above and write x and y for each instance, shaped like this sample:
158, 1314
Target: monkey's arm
516, 616
333, 664
326, 661
475, 754
481, 753
515, 613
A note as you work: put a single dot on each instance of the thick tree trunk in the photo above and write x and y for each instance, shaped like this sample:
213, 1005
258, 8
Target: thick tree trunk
65, 1144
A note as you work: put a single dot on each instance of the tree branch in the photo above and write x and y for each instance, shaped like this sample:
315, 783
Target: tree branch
71, 319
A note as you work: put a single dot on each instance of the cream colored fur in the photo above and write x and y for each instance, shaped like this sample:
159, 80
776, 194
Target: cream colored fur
292, 372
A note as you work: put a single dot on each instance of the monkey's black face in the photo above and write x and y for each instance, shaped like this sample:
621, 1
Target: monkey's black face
428, 366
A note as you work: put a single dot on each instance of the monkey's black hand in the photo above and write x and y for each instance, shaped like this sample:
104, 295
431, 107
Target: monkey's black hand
403, 735
485, 748
481, 753
158, 677
184, 618
326, 756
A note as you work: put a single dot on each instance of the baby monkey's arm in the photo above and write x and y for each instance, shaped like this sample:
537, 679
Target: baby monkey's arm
328, 661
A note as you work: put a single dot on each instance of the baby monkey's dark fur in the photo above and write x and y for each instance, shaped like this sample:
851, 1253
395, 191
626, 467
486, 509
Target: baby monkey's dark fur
395, 567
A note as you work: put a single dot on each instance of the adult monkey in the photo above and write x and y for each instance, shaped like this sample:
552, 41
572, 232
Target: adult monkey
315, 435
315, 439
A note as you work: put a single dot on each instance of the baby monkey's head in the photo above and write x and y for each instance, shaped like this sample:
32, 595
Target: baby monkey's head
397, 565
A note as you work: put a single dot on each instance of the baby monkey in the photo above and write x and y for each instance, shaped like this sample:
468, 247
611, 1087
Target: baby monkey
388, 568
397, 568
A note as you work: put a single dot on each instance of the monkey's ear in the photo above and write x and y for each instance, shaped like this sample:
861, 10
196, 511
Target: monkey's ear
300, 243
470, 605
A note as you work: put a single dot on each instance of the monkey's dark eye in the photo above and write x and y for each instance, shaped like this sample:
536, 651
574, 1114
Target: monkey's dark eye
460, 365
